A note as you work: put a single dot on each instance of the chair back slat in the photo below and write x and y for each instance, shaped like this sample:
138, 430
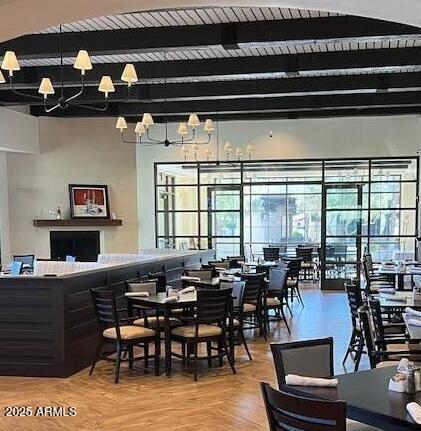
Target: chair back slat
294, 267
212, 305
286, 411
150, 286
271, 253
253, 287
369, 336
277, 280
106, 308
293, 358
376, 316
306, 253
205, 275
355, 299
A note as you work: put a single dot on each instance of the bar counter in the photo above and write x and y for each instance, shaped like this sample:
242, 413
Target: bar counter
47, 323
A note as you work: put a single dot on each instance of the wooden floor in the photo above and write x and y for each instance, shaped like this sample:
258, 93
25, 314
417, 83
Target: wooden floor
219, 401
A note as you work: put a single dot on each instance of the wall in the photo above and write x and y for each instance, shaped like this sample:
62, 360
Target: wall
84, 151
305, 138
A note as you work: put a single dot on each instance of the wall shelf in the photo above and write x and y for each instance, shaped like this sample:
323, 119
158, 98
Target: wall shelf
78, 222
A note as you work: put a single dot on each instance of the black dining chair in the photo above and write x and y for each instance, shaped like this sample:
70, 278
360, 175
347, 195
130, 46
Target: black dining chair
294, 268
286, 411
208, 325
275, 297
253, 304
307, 264
294, 358
121, 332
270, 254
356, 342
237, 310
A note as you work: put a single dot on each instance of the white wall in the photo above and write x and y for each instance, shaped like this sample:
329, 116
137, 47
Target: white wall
305, 138
19, 131
81, 151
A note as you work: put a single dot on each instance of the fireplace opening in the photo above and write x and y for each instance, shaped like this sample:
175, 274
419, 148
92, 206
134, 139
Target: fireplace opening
82, 245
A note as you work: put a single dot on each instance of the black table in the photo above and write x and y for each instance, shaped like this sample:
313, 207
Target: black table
368, 399
399, 301
413, 331
157, 303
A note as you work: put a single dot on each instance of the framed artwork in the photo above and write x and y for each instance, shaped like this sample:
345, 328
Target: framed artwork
89, 201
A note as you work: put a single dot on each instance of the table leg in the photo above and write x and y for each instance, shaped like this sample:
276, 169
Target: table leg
167, 330
400, 282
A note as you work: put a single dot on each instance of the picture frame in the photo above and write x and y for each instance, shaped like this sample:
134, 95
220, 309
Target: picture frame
89, 201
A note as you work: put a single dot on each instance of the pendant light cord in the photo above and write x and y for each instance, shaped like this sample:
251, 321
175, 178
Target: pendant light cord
61, 61
165, 97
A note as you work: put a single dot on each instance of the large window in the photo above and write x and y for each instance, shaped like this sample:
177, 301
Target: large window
240, 207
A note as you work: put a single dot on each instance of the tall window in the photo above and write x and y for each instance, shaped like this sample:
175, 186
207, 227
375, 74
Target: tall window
238, 207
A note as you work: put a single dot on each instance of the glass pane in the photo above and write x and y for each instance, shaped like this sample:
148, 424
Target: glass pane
340, 223
223, 173
392, 248
226, 223
186, 224
341, 250
393, 195
165, 199
225, 200
226, 247
176, 174
342, 198
393, 170
182, 198
340, 271
392, 222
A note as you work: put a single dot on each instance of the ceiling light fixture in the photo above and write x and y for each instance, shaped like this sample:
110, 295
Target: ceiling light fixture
82, 63
186, 130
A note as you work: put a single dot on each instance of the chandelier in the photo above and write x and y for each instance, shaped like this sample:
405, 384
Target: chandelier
186, 131
46, 89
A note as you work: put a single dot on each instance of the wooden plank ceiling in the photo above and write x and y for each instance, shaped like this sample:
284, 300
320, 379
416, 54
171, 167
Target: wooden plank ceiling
229, 63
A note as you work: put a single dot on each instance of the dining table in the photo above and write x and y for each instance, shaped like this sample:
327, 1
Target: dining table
399, 273
368, 399
414, 331
162, 307
399, 301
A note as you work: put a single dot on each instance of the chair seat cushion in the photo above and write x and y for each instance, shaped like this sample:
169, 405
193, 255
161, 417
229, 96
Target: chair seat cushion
190, 331
153, 319
249, 308
129, 332
273, 302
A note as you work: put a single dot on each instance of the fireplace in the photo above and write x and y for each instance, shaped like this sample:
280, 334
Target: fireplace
83, 245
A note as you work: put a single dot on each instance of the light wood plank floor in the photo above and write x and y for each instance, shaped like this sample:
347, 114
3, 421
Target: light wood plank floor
219, 401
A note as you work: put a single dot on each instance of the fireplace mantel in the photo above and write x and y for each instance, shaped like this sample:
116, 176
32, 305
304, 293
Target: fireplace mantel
78, 223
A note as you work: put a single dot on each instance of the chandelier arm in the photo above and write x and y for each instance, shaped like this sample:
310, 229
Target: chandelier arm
53, 108
20, 93
92, 108
158, 141
139, 142
183, 142
79, 93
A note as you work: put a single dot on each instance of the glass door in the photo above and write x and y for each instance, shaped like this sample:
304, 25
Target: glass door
342, 217
225, 219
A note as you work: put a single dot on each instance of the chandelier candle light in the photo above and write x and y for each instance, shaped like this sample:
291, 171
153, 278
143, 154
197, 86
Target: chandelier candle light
143, 127
82, 63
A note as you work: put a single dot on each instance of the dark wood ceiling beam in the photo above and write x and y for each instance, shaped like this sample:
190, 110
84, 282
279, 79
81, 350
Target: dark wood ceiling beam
241, 89
213, 36
189, 70
410, 100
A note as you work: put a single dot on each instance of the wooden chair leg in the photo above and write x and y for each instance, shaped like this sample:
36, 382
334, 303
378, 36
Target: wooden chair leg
157, 353
246, 347
183, 353
117, 363
195, 361
97, 354
281, 309
230, 361
130, 350
146, 349
220, 353
360, 348
209, 351
350, 346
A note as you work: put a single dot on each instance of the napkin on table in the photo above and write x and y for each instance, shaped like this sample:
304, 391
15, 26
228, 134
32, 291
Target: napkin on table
187, 290
412, 312
414, 410
169, 299
294, 379
141, 294
187, 278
